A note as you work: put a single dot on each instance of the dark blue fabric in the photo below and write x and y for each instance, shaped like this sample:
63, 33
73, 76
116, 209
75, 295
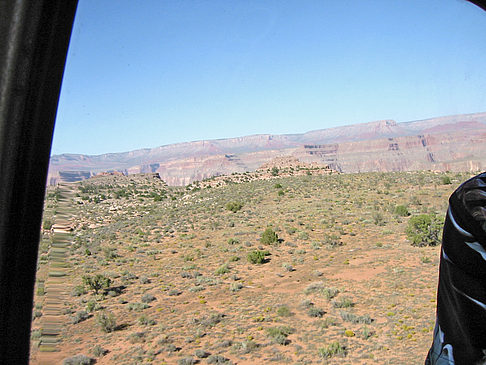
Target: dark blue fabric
460, 332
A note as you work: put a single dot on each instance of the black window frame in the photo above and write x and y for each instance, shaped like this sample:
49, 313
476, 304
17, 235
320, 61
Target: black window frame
34, 39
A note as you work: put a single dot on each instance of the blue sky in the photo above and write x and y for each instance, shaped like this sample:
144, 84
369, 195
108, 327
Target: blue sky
145, 73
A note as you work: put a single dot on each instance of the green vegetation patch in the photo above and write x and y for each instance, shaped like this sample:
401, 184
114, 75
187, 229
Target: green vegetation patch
424, 230
269, 237
333, 349
96, 282
279, 334
257, 257
106, 320
234, 206
402, 211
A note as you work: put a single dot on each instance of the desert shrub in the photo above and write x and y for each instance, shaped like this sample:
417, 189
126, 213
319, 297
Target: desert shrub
174, 292
268, 237
113, 293
158, 198
284, 311
79, 317
279, 334
332, 240
402, 211
99, 351
366, 333
92, 306
212, 320
128, 276
201, 354
208, 321
234, 206
274, 171
277, 186
257, 257
248, 346
316, 312
224, 343
353, 318
316, 245
187, 275
110, 253
96, 282
137, 307
107, 321
424, 230
291, 230
378, 218
425, 259
234, 287
306, 304
223, 269
187, 361
233, 241
78, 290
146, 321
147, 298
287, 266
320, 288
328, 322
303, 235
334, 348
343, 303
197, 288
218, 359
136, 337
414, 200
78, 360
446, 180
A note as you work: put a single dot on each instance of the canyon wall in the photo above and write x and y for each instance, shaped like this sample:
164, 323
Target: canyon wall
452, 143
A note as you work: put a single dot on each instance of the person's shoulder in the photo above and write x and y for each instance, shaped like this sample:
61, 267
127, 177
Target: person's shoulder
470, 197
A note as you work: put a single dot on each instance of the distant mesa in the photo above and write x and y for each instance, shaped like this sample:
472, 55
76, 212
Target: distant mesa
451, 143
108, 173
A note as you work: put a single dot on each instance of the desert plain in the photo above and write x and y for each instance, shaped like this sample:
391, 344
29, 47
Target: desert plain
304, 268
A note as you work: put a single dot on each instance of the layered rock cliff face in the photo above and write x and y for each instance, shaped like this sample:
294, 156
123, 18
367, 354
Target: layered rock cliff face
453, 151
456, 143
